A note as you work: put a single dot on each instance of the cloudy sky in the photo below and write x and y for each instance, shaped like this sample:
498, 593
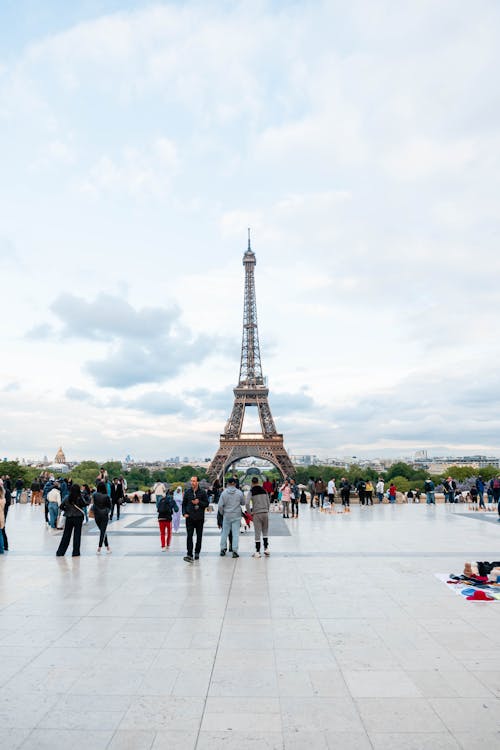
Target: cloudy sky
361, 143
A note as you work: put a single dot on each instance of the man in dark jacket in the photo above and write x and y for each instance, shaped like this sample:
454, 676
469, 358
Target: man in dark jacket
193, 509
116, 498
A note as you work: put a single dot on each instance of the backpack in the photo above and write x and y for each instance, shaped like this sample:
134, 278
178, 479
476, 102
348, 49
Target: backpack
496, 484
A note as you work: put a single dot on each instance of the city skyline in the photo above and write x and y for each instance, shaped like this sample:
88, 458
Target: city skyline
139, 143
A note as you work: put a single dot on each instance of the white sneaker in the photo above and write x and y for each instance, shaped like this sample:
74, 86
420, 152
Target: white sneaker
256, 554
266, 552
108, 550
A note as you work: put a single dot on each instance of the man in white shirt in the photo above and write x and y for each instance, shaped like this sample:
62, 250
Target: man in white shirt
379, 489
331, 489
54, 501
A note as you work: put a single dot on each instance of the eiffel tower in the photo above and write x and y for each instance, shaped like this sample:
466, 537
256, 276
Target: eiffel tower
251, 391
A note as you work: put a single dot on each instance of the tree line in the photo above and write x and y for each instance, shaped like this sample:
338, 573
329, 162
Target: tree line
402, 474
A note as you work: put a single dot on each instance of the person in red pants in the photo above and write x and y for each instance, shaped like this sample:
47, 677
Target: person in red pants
166, 507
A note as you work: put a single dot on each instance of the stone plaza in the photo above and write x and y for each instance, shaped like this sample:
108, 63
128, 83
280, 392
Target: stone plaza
344, 638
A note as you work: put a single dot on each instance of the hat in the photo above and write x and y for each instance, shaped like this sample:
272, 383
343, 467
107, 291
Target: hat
481, 596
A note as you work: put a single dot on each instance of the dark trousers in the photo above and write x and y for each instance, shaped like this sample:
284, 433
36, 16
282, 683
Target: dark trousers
345, 497
115, 503
102, 524
4, 533
46, 503
191, 525
295, 507
73, 525
369, 497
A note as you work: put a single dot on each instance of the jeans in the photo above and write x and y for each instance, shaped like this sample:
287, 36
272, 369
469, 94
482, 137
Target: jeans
430, 498
232, 525
73, 526
165, 526
380, 496
53, 513
286, 509
18, 495
191, 526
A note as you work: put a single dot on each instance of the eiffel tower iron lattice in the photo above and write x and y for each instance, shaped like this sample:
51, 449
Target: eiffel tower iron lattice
251, 391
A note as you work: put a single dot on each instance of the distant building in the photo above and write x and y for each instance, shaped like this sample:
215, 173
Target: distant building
442, 463
60, 457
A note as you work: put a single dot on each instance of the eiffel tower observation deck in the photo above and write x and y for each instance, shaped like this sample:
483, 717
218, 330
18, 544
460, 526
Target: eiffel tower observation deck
251, 392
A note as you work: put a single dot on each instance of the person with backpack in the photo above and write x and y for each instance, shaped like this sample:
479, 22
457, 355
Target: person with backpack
166, 508
429, 488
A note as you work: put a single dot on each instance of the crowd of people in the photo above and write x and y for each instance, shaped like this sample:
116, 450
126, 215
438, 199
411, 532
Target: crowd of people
69, 505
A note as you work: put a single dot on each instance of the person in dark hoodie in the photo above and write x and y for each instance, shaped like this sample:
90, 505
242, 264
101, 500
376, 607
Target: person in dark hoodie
166, 508
193, 509
229, 507
258, 505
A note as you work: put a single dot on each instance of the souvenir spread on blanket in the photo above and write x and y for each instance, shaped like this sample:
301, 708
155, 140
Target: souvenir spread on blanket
480, 582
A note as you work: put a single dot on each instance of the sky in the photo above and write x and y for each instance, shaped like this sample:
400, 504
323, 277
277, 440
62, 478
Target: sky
360, 141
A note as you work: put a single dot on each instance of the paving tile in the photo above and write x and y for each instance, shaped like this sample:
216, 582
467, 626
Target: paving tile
130, 740
399, 715
380, 684
414, 741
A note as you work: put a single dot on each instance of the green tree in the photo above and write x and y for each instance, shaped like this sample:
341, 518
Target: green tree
85, 473
114, 468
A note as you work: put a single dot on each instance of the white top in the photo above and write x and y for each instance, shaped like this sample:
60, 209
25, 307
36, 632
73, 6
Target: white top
331, 487
54, 496
159, 489
380, 487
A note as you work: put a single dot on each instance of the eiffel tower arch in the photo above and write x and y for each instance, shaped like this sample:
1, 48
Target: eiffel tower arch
251, 392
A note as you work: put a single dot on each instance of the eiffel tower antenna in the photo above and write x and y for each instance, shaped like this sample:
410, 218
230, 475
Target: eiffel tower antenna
251, 391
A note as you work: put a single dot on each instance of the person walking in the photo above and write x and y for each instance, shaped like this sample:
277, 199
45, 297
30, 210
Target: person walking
345, 493
369, 492
54, 502
230, 503
166, 508
294, 497
331, 489
73, 510
117, 496
101, 505
19, 489
258, 504
311, 484
380, 489
361, 488
176, 516
36, 492
193, 509
2, 518
392, 493
320, 490
480, 486
429, 488
495, 486
286, 494
159, 491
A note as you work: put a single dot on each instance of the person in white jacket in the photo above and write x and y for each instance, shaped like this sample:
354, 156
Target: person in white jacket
54, 501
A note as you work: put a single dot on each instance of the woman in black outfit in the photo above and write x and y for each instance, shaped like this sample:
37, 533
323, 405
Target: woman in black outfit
102, 507
73, 510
